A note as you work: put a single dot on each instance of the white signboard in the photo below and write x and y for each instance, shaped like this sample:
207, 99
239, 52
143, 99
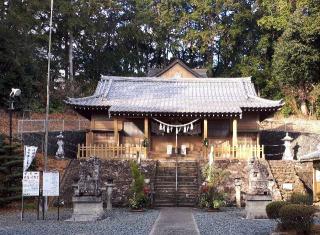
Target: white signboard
317, 175
287, 186
30, 183
50, 183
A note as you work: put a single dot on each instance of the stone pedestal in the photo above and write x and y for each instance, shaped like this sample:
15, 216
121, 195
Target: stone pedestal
87, 208
256, 206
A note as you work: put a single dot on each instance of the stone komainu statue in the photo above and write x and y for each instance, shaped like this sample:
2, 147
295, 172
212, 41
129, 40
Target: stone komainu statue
89, 183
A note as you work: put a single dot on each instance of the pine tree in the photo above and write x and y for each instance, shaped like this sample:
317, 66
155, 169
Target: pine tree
11, 163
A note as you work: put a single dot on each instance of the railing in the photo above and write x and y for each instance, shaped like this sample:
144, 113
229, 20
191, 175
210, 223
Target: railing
237, 152
111, 151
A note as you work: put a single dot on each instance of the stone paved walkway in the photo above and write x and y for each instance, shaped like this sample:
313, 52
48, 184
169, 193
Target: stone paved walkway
175, 221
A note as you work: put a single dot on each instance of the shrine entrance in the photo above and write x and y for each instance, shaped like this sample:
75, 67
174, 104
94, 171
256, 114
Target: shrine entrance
176, 139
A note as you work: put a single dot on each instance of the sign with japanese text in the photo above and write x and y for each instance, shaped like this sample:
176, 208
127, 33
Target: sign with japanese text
50, 183
30, 183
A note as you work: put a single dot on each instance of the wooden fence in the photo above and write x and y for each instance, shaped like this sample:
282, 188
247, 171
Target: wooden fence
111, 151
132, 152
237, 152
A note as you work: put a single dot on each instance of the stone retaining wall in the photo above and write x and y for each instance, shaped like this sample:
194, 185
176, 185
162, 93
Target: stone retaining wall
295, 172
118, 170
238, 169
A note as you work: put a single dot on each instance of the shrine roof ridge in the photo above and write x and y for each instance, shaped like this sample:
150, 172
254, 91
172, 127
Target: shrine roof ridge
175, 95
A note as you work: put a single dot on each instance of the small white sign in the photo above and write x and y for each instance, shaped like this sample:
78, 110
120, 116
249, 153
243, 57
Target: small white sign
30, 183
317, 175
287, 186
50, 183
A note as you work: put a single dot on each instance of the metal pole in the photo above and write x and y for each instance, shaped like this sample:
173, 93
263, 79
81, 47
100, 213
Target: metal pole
10, 122
58, 207
22, 207
48, 95
176, 150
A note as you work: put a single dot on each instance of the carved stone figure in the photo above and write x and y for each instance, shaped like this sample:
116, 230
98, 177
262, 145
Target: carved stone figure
87, 199
89, 183
258, 196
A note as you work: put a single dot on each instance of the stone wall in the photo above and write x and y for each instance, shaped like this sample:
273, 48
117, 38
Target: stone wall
238, 169
302, 143
294, 173
118, 170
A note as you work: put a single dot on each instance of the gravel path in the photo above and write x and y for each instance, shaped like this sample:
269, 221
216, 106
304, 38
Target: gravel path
119, 221
175, 220
231, 222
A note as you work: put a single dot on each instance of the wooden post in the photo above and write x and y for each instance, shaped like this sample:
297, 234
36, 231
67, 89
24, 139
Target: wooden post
205, 128
78, 154
115, 131
234, 132
147, 134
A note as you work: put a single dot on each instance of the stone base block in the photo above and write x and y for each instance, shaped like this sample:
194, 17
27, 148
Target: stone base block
256, 206
87, 208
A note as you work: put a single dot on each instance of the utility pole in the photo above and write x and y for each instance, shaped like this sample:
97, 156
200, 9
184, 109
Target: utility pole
48, 97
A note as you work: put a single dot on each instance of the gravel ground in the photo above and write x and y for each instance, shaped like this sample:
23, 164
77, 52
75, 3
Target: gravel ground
118, 221
231, 222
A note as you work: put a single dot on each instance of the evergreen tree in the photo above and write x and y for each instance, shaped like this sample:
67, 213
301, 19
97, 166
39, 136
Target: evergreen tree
11, 164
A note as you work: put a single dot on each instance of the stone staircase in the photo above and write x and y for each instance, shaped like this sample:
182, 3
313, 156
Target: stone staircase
187, 183
284, 172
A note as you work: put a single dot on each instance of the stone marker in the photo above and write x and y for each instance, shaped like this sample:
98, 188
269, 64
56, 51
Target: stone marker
237, 183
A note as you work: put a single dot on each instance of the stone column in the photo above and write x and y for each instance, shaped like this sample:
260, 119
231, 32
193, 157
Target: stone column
237, 184
287, 155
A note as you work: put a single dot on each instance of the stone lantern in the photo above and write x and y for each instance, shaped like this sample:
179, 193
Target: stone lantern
287, 155
60, 143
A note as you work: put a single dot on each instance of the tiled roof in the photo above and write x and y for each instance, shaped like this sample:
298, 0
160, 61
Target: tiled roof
181, 95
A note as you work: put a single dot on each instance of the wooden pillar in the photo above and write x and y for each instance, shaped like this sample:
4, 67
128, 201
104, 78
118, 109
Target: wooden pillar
89, 138
146, 128
115, 131
234, 132
314, 183
147, 135
205, 128
258, 138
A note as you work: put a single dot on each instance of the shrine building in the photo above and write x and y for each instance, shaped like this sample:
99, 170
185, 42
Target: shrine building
175, 111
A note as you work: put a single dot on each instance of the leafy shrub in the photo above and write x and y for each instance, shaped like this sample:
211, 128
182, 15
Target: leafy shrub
138, 199
298, 217
210, 196
273, 209
301, 198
